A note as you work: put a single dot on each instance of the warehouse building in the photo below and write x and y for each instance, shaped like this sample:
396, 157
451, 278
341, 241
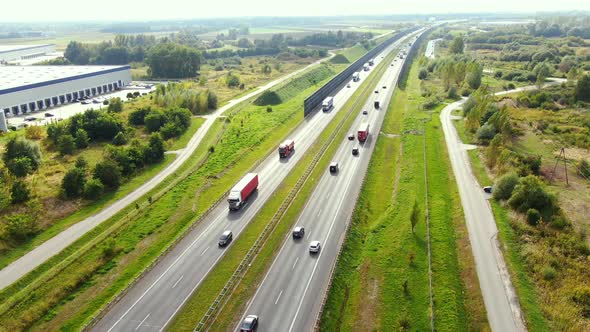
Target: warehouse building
22, 52
25, 89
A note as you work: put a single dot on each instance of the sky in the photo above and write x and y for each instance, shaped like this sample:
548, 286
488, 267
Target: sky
134, 10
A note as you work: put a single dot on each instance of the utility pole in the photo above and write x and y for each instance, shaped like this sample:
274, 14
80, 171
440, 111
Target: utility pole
561, 152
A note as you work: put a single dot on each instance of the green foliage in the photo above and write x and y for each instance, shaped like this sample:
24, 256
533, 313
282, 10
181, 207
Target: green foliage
530, 193
185, 95
98, 124
533, 216
82, 139
20, 166
155, 150
20, 192
457, 45
56, 129
268, 97
19, 147
584, 169
339, 59
474, 72
136, 118
81, 163
120, 139
21, 226
582, 91
485, 133
115, 105
108, 173
581, 297
415, 216
73, 182
504, 186
423, 73
66, 145
232, 80
93, 189
154, 120
452, 92
169, 60
549, 272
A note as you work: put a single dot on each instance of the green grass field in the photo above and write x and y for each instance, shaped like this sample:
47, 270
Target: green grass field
381, 253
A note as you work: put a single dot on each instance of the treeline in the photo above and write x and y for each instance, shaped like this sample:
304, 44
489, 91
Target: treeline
185, 95
562, 26
330, 39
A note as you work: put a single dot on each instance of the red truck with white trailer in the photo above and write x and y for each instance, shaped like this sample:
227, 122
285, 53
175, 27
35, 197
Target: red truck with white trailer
286, 148
363, 132
242, 190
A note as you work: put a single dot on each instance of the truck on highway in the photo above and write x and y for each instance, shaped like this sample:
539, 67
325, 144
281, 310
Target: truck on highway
286, 148
356, 76
366, 67
371, 62
363, 132
327, 104
242, 190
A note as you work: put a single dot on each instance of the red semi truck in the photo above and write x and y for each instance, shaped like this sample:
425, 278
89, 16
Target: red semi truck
363, 132
242, 190
286, 148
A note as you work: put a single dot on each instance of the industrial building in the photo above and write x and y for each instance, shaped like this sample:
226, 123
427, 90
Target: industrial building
10, 53
25, 89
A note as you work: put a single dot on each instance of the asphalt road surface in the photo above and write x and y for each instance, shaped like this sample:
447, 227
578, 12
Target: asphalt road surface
153, 301
500, 300
290, 296
56, 244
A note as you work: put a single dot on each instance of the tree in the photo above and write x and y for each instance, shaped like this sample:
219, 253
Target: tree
173, 61
21, 226
582, 91
154, 120
504, 186
77, 53
82, 139
73, 182
108, 173
137, 117
120, 139
542, 70
66, 145
155, 149
473, 75
530, 193
485, 133
232, 80
81, 163
533, 216
422, 74
20, 167
457, 45
19, 192
115, 105
415, 216
93, 189
211, 100
21, 147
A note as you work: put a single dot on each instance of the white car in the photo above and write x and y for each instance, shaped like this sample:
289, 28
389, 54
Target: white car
314, 247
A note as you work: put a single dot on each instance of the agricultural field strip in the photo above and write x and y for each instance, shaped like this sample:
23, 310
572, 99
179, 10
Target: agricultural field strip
325, 217
56, 244
154, 295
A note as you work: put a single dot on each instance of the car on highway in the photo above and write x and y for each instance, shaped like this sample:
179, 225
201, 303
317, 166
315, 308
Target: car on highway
225, 238
348, 85
314, 247
355, 151
365, 112
249, 324
376, 91
384, 87
488, 189
334, 167
351, 137
298, 232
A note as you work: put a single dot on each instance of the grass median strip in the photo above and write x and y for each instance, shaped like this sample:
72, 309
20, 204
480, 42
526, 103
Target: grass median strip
192, 312
381, 278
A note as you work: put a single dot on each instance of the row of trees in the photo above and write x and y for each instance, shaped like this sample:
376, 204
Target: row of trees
455, 70
169, 123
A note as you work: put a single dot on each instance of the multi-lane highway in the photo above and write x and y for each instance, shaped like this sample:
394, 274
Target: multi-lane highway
153, 301
290, 296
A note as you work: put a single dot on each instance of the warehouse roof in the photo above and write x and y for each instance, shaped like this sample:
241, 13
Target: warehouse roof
16, 78
12, 48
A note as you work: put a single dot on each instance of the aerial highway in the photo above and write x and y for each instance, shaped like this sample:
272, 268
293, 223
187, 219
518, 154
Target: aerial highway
53, 246
290, 295
154, 300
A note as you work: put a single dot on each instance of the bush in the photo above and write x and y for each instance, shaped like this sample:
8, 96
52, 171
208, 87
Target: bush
154, 120
20, 147
530, 193
485, 133
170, 130
422, 74
268, 109
73, 182
120, 139
533, 217
452, 93
21, 226
34, 132
81, 163
584, 168
115, 105
136, 118
108, 173
20, 167
232, 80
19, 192
66, 145
129, 95
93, 189
155, 149
82, 139
504, 186
582, 298
549, 273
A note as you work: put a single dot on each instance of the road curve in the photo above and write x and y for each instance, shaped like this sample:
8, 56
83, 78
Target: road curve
154, 300
500, 300
290, 295
56, 244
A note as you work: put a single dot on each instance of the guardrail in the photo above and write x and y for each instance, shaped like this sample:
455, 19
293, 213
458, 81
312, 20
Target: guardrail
228, 288
317, 97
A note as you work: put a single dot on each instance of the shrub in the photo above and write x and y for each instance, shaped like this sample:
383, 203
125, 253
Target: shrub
584, 168
120, 139
108, 173
452, 93
129, 95
20, 167
93, 189
19, 192
66, 145
485, 133
82, 139
582, 298
136, 118
155, 149
511, 86
21, 226
533, 217
269, 109
73, 182
154, 120
530, 193
422, 74
115, 105
549, 273
504, 186
81, 163
232, 80
21, 147
34, 132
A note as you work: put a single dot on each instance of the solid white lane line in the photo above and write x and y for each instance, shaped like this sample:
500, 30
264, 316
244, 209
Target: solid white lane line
138, 326
296, 260
177, 281
279, 297
205, 251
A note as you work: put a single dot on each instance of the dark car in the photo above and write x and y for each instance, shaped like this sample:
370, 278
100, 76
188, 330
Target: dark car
225, 238
355, 151
488, 189
376, 91
249, 324
298, 232
365, 112
351, 137
334, 167
48, 115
